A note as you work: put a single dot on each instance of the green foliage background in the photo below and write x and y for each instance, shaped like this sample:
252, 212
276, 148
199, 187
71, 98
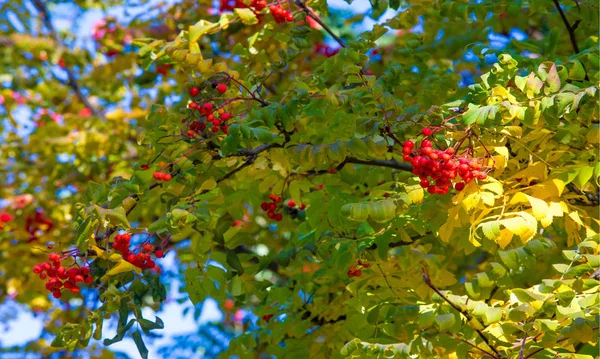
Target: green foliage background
506, 268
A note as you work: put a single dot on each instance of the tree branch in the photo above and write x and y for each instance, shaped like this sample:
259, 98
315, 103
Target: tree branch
310, 14
570, 29
427, 281
40, 5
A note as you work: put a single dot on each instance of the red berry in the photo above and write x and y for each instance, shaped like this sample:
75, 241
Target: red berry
148, 248
407, 158
166, 177
459, 186
264, 206
225, 128
426, 143
37, 269
225, 117
53, 257
207, 107
215, 129
407, 150
409, 144
450, 150
291, 203
426, 131
56, 294
424, 183
75, 290
222, 88
427, 150
194, 91
302, 206
431, 189
278, 217
159, 254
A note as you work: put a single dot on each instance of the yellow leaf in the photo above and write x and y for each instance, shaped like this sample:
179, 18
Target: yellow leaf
538, 171
447, 228
554, 210
522, 224
505, 238
548, 189
538, 207
122, 267
493, 186
415, 193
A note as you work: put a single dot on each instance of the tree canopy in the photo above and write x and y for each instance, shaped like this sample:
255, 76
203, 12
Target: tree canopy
424, 185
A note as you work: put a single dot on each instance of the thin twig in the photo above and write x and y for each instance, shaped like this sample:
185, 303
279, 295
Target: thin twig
310, 14
72, 82
462, 311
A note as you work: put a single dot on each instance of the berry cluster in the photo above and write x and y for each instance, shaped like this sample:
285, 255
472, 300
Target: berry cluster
356, 271
217, 118
142, 259
437, 169
294, 210
161, 176
59, 277
271, 207
280, 14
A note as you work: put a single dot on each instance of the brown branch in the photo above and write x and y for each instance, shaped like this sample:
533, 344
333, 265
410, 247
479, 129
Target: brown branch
462, 311
310, 14
72, 82
570, 29
353, 160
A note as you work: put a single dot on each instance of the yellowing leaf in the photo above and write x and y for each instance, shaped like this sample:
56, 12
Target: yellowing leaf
538, 206
122, 267
415, 193
247, 16
522, 224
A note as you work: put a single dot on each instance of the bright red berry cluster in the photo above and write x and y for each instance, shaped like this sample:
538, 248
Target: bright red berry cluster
217, 118
438, 169
161, 176
143, 258
280, 14
356, 271
59, 277
271, 207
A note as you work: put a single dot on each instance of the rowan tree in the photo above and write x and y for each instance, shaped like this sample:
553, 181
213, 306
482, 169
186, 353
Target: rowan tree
425, 188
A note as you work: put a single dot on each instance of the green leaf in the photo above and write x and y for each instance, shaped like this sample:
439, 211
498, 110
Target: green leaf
235, 286
199, 29
234, 262
445, 321
492, 315
480, 115
139, 343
